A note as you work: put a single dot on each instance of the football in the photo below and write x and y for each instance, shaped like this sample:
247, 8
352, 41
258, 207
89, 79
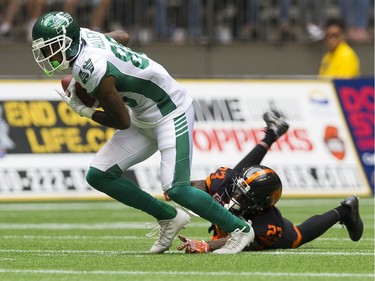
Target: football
81, 92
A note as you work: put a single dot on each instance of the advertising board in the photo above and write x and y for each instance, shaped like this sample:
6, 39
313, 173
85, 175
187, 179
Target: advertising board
46, 148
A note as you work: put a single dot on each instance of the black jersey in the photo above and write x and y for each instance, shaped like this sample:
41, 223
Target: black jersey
272, 231
220, 184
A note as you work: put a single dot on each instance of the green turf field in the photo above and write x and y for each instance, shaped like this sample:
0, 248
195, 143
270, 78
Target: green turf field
104, 240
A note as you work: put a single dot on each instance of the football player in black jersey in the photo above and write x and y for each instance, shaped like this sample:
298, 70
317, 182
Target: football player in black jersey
251, 191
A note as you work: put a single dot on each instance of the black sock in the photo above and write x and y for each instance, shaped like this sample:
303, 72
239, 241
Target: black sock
270, 137
343, 211
317, 225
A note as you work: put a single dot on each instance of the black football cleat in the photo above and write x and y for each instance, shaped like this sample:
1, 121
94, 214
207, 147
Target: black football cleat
276, 123
353, 221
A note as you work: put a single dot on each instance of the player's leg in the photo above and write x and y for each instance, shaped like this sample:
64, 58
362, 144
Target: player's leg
175, 175
276, 127
124, 149
347, 213
316, 225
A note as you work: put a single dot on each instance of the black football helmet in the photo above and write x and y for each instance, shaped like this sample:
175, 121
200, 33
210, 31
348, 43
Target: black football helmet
255, 189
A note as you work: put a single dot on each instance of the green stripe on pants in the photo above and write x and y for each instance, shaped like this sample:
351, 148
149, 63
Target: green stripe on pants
182, 166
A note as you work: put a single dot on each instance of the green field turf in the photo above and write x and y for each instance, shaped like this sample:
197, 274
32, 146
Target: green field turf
104, 240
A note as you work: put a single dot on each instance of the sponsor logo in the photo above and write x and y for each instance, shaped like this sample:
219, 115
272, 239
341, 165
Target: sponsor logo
58, 21
86, 71
334, 142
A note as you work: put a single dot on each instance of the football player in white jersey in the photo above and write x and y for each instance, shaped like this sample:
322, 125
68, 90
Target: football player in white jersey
151, 112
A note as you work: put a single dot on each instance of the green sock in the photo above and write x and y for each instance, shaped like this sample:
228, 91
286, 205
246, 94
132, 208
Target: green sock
205, 206
128, 193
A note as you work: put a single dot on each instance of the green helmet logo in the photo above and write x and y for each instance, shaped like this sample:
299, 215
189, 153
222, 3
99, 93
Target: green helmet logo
54, 33
57, 21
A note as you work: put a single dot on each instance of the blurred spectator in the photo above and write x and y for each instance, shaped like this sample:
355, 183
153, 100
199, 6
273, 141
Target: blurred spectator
194, 20
180, 20
174, 27
341, 60
122, 15
162, 27
284, 22
99, 14
355, 14
99, 10
34, 9
313, 17
250, 28
225, 12
134, 16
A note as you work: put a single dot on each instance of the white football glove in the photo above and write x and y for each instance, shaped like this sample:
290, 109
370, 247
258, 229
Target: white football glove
70, 97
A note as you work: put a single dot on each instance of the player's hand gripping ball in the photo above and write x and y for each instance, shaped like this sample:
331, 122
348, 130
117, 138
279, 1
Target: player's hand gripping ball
80, 92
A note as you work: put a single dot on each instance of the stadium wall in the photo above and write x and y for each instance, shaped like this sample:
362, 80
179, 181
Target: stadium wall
246, 59
46, 148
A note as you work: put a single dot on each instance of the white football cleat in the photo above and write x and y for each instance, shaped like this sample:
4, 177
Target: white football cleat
168, 230
237, 241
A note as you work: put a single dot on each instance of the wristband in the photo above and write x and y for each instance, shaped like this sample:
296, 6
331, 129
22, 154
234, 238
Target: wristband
87, 112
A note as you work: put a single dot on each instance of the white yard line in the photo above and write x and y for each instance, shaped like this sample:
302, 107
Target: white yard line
125, 237
61, 206
73, 237
104, 225
94, 205
314, 252
188, 273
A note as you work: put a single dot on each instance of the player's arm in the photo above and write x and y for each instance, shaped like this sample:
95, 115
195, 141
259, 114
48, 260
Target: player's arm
115, 113
120, 36
217, 244
199, 246
199, 184
215, 179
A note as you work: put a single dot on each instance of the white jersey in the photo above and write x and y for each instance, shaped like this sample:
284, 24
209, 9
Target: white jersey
145, 86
